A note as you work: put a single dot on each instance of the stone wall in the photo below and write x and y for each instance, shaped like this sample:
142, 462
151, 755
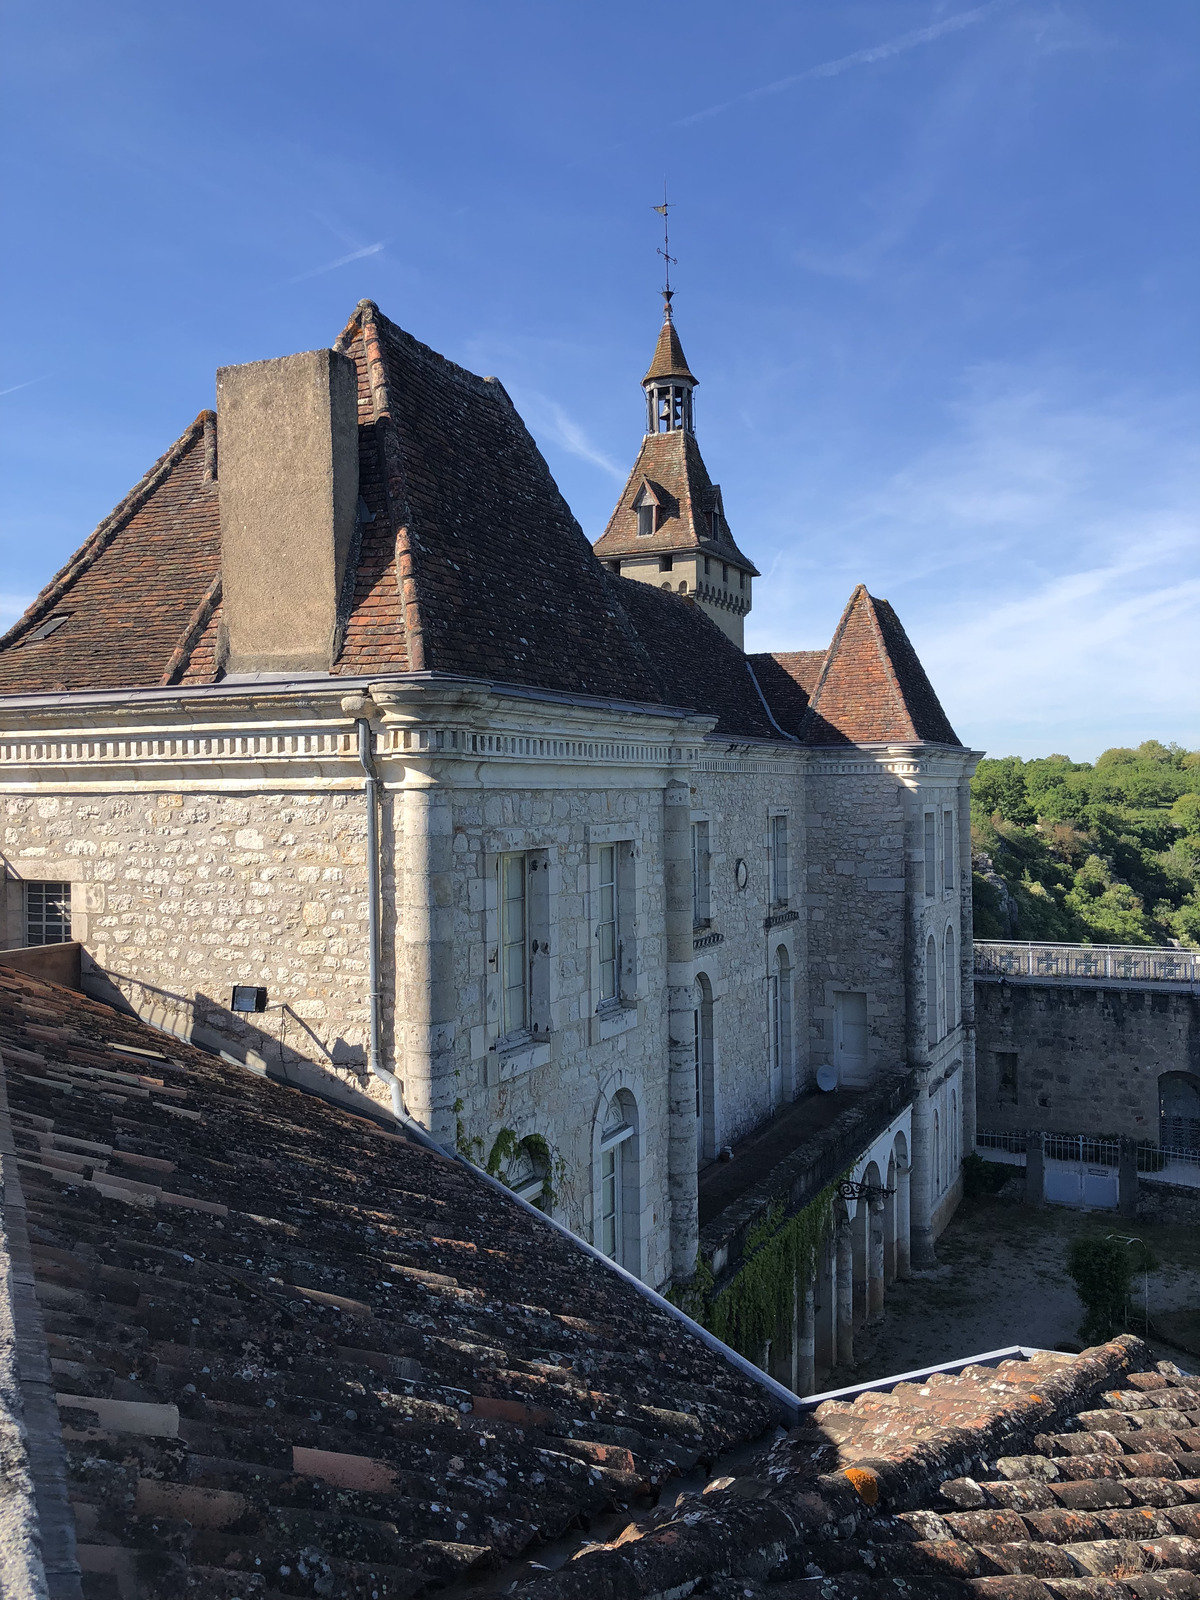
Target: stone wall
180, 896
1087, 1058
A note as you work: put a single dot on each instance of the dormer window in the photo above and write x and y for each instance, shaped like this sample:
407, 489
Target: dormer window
51, 625
716, 523
645, 516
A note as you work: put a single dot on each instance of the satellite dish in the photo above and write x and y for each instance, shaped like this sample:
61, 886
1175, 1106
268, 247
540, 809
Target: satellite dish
827, 1078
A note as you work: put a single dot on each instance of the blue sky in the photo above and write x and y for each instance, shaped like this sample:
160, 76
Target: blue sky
937, 275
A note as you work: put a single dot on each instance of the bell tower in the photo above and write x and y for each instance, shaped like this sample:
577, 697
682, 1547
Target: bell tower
669, 526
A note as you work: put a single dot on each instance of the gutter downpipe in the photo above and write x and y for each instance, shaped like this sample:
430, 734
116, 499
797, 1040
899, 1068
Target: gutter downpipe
362, 708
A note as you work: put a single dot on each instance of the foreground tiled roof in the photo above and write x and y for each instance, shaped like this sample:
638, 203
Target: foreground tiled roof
872, 688
672, 466
297, 1355
1043, 1479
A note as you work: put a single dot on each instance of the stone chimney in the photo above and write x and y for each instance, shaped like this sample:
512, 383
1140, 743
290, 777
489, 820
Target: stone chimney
287, 464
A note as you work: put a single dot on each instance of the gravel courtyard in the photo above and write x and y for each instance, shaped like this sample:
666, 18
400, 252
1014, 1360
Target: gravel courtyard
1001, 1280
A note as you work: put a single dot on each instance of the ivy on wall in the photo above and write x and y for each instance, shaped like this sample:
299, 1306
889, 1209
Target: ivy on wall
507, 1149
779, 1252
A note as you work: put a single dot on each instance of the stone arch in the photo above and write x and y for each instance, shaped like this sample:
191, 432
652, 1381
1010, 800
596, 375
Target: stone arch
617, 1176
704, 1055
931, 993
901, 1204
873, 1231
780, 1024
950, 979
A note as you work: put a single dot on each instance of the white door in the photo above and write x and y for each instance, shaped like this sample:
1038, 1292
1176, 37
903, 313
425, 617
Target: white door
850, 1039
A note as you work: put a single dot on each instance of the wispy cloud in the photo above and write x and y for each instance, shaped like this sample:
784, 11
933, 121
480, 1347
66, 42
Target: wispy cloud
1043, 557
29, 382
547, 417
857, 58
342, 261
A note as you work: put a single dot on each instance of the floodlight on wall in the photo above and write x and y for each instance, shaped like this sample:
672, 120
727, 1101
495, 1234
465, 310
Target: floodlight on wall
248, 998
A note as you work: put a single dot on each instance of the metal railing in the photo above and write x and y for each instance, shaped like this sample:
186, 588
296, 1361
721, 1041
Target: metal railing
1169, 1164
1099, 963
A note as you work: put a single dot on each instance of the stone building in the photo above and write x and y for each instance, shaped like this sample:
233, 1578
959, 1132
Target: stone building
339, 715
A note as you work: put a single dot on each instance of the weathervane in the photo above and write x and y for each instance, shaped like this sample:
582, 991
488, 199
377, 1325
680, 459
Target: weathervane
664, 248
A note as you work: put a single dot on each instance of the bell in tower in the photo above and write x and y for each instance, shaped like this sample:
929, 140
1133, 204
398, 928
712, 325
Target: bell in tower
669, 527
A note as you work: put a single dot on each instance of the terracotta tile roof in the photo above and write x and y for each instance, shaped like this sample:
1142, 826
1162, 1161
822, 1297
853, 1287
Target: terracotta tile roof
669, 360
295, 1354
1031, 1480
131, 593
671, 464
497, 577
694, 663
788, 680
872, 688
468, 562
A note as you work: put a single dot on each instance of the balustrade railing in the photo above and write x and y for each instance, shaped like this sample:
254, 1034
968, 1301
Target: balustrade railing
1100, 963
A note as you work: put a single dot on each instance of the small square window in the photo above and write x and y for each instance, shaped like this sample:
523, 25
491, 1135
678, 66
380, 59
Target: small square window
665, 563
47, 913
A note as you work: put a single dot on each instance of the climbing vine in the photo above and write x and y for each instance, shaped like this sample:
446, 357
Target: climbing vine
778, 1251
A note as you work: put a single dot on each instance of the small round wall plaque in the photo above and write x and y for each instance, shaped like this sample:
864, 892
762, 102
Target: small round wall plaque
741, 874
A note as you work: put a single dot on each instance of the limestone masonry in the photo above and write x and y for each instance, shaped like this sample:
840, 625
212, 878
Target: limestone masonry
339, 705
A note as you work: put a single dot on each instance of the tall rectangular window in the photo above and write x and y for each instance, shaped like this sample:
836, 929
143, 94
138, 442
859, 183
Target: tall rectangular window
779, 861
608, 925
616, 1152
948, 873
1006, 1075
47, 913
514, 944
930, 853
645, 519
701, 880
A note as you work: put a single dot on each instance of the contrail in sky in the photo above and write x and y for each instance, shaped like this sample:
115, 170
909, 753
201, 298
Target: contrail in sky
342, 261
858, 58
26, 384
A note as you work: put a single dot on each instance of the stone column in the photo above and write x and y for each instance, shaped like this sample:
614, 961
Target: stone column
426, 1001
967, 962
681, 1154
860, 1242
1035, 1170
804, 1363
903, 1250
1127, 1177
845, 1295
826, 1329
875, 1262
920, 1188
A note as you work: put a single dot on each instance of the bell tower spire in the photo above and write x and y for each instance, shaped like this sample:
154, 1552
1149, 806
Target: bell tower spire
669, 383
669, 527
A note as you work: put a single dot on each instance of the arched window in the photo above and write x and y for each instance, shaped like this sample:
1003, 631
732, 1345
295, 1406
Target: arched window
937, 1155
524, 1165
618, 1187
703, 1055
931, 993
950, 982
779, 1023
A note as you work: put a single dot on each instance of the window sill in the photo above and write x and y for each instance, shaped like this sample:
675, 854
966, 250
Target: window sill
613, 1017
518, 1054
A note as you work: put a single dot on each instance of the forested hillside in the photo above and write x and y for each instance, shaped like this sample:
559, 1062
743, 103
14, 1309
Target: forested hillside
1103, 854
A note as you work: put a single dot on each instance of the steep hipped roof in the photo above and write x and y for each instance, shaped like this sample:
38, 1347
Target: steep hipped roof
872, 688
136, 591
669, 359
288, 1347
787, 680
687, 497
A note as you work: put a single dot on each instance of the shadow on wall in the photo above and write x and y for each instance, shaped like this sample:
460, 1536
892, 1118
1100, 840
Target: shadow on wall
339, 1072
